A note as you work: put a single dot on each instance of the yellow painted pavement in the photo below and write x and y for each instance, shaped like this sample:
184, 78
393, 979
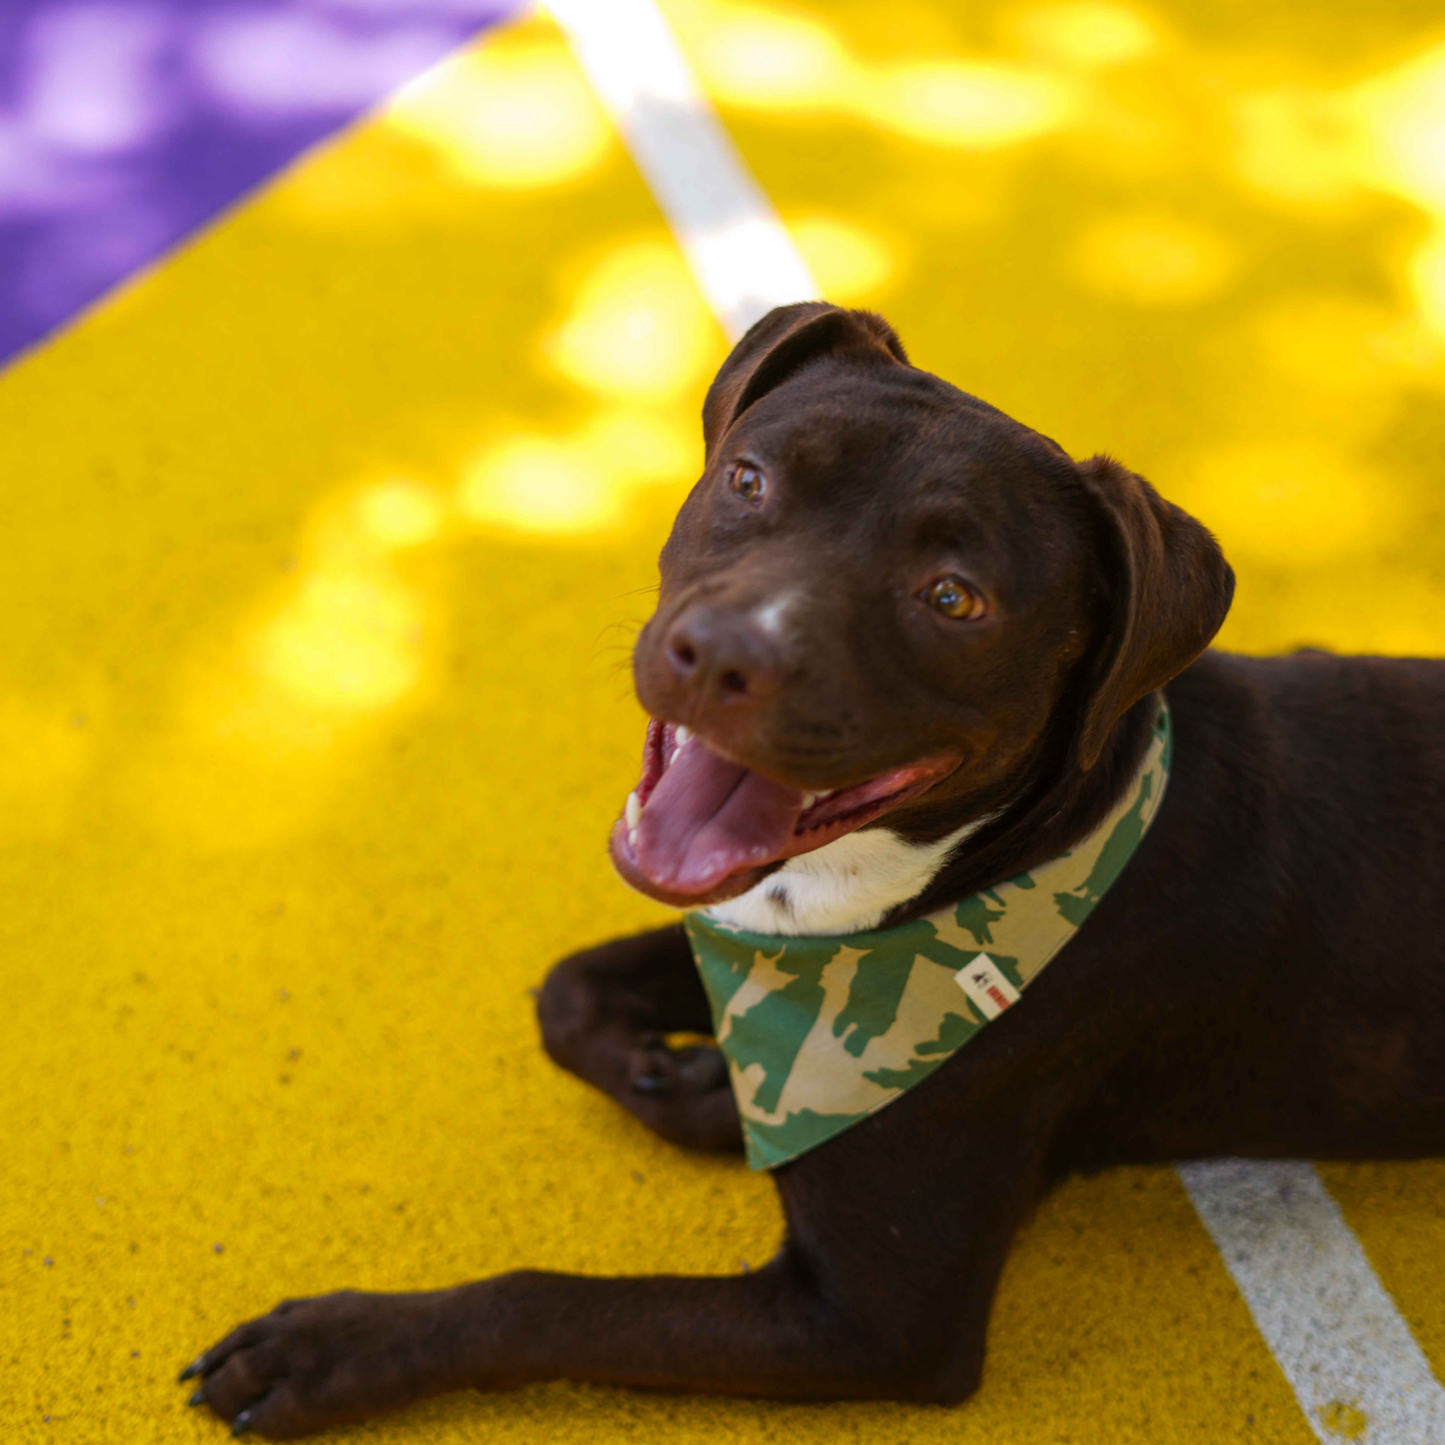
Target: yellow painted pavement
324, 540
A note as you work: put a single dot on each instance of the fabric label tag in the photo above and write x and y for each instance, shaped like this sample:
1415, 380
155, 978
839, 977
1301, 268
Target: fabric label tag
983, 981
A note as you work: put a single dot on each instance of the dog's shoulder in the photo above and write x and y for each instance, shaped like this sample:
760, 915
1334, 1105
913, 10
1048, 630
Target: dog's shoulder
1337, 720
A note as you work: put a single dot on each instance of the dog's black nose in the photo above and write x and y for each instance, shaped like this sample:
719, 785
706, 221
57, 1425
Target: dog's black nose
721, 656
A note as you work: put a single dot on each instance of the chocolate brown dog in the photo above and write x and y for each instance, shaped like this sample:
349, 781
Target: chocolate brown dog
918, 651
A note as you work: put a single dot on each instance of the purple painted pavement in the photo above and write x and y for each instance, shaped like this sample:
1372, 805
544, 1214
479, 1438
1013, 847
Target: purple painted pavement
125, 124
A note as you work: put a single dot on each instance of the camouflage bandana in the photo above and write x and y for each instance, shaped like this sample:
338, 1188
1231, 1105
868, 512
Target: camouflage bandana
821, 1032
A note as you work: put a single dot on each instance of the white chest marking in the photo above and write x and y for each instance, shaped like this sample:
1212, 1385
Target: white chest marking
843, 887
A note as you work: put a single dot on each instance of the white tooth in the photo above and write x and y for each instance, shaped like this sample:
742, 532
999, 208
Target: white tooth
633, 812
682, 734
808, 800
632, 839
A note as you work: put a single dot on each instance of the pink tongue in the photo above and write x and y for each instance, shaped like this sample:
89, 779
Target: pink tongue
708, 818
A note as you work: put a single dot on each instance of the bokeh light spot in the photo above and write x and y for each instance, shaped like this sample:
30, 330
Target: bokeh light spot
346, 640
541, 485
1426, 272
639, 329
1151, 259
1297, 502
1087, 33
511, 114
1404, 113
1386, 133
1341, 344
401, 513
579, 482
93, 77
641, 447
849, 262
1295, 145
972, 105
769, 59
45, 751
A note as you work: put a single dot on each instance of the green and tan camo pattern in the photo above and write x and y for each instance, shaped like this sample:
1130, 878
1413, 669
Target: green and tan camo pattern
821, 1032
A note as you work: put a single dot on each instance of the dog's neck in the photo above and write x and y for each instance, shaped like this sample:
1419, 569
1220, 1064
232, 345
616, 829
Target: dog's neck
844, 887
877, 877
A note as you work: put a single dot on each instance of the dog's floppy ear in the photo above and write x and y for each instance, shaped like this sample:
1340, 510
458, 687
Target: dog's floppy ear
1169, 588
785, 340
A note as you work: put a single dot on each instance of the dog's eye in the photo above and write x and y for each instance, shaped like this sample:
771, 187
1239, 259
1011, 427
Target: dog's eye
749, 483
953, 597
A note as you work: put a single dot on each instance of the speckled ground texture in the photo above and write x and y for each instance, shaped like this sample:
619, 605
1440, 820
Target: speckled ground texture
325, 538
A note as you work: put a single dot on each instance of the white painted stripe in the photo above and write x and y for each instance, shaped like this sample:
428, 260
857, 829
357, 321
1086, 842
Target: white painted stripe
738, 249
1347, 1352
1343, 1345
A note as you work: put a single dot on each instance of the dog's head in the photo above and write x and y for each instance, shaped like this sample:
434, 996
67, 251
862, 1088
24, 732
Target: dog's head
878, 601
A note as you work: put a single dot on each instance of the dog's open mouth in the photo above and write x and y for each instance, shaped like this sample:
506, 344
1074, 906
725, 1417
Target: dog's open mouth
701, 828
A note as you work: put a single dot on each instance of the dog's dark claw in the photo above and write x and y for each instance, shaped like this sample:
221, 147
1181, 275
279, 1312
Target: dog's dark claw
241, 1423
651, 1084
199, 1398
191, 1370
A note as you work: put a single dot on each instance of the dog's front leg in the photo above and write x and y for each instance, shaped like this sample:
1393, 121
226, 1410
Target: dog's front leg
605, 1014
896, 1235
315, 1363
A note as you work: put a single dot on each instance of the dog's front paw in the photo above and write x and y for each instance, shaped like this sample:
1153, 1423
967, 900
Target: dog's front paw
684, 1094
317, 1362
